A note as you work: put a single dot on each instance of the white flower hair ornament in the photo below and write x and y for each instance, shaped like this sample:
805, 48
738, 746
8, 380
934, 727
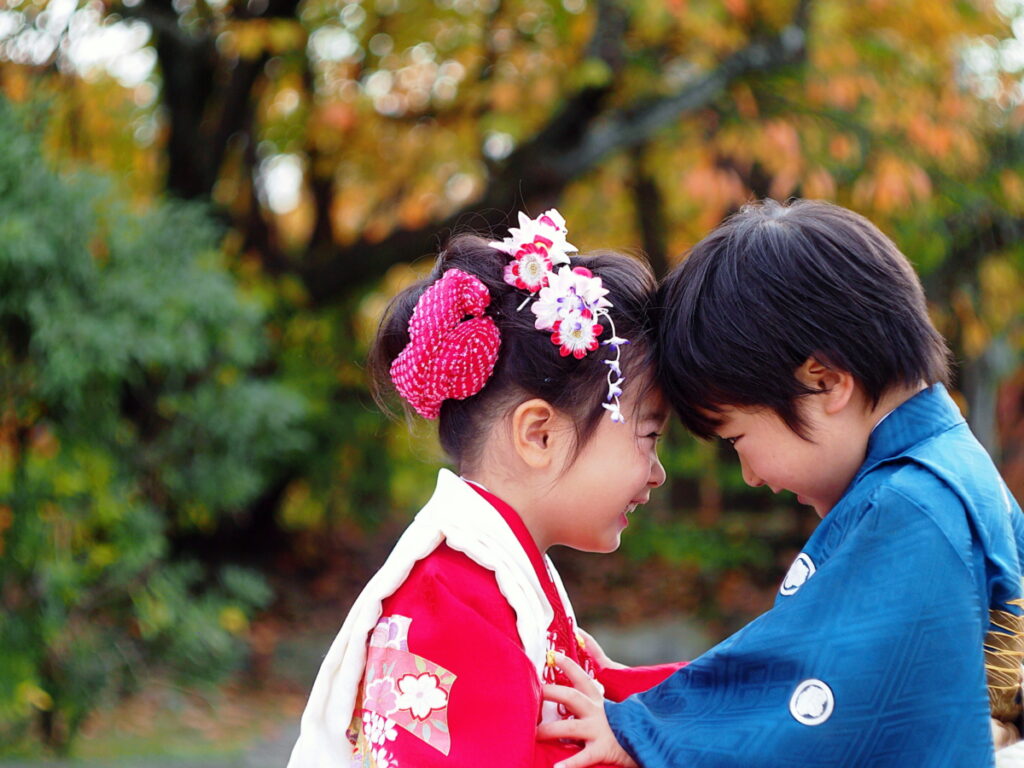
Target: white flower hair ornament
570, 303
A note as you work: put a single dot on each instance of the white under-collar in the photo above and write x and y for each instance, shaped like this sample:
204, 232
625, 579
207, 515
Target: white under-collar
886, 416
481, 486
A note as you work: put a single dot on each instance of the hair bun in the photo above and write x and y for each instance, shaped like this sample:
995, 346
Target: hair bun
447, 357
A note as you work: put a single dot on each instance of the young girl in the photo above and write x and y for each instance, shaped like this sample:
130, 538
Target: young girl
538, 367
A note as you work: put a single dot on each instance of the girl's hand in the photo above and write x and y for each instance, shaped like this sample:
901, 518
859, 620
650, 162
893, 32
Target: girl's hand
596, 652
584, 701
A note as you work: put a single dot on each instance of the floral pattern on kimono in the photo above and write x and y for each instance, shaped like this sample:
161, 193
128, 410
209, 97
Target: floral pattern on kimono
399, 690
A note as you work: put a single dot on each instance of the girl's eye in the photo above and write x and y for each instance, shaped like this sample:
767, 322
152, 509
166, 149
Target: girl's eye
731, 440
654, 436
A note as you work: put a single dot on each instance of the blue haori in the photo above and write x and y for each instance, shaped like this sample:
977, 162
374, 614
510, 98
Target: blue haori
872, 654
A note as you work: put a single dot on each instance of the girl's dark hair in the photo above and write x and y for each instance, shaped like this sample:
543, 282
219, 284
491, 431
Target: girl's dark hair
529, 364
776, 284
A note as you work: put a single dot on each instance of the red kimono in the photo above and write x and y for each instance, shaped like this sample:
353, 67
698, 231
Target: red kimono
447, 682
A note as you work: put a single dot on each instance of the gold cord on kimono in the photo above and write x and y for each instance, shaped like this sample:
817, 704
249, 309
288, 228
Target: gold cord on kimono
1004, 652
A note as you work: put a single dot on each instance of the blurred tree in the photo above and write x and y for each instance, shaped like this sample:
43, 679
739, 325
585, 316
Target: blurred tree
126, 413
338, 138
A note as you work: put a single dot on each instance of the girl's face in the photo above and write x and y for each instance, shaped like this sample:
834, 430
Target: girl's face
612, 475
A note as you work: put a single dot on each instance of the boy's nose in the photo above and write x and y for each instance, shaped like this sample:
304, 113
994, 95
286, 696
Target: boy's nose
749, 477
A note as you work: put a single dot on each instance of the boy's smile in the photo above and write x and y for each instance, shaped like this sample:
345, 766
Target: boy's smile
771, 454
819, 467
818, 470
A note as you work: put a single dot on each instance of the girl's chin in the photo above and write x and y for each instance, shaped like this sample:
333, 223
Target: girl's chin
610, 544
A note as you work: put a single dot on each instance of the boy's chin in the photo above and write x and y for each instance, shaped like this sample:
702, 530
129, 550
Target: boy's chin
821, 509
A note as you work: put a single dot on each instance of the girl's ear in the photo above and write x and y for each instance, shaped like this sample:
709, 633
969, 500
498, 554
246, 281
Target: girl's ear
836, 386
537, 433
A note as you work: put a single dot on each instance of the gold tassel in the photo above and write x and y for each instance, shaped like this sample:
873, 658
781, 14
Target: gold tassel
1004, 651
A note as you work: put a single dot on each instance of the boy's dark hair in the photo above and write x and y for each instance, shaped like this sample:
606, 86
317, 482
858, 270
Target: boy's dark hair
776, 284
529, 364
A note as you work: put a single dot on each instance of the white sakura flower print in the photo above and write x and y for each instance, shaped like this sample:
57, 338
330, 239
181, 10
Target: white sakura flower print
387, 732
381, 696
378, 729
421, 694
383, 759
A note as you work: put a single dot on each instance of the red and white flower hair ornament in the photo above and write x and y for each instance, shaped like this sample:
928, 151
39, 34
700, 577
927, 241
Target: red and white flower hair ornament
536, 247
569, 302
447, 357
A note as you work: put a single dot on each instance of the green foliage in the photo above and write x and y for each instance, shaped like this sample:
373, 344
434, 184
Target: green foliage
127, 408
128, 404
683, 542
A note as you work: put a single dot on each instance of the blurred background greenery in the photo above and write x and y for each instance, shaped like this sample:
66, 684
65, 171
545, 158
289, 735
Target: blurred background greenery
205, 205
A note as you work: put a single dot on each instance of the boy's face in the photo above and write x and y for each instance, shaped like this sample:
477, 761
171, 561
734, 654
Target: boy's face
817, 470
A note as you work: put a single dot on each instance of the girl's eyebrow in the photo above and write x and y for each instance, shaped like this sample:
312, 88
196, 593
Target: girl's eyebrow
654, 416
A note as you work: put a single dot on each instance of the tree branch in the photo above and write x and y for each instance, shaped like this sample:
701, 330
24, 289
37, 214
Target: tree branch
572, 143
637, 124
649, 209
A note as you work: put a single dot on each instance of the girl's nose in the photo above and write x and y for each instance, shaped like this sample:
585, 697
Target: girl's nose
658, 475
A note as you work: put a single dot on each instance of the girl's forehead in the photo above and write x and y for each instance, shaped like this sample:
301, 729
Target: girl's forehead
653, 405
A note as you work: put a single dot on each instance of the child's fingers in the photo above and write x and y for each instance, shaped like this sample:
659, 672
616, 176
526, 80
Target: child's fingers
561, 729
585, 757
576, 702
597, 652
577, 676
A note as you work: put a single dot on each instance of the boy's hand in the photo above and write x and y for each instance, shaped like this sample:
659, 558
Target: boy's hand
584, 701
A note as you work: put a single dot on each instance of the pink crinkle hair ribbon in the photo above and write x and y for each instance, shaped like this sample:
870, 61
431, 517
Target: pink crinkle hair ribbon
447, 357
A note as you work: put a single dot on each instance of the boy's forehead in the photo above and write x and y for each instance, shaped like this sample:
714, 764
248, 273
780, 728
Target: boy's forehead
723, 415
716, 416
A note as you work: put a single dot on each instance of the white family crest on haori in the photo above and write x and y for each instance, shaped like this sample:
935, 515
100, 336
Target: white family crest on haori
812, 702
569, 302
799, 572
455, 514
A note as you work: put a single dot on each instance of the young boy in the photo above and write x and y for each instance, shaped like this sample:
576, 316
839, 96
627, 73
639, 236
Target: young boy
799, 334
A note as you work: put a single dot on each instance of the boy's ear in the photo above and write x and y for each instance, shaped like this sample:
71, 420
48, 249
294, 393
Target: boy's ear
536, 432
835, 385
